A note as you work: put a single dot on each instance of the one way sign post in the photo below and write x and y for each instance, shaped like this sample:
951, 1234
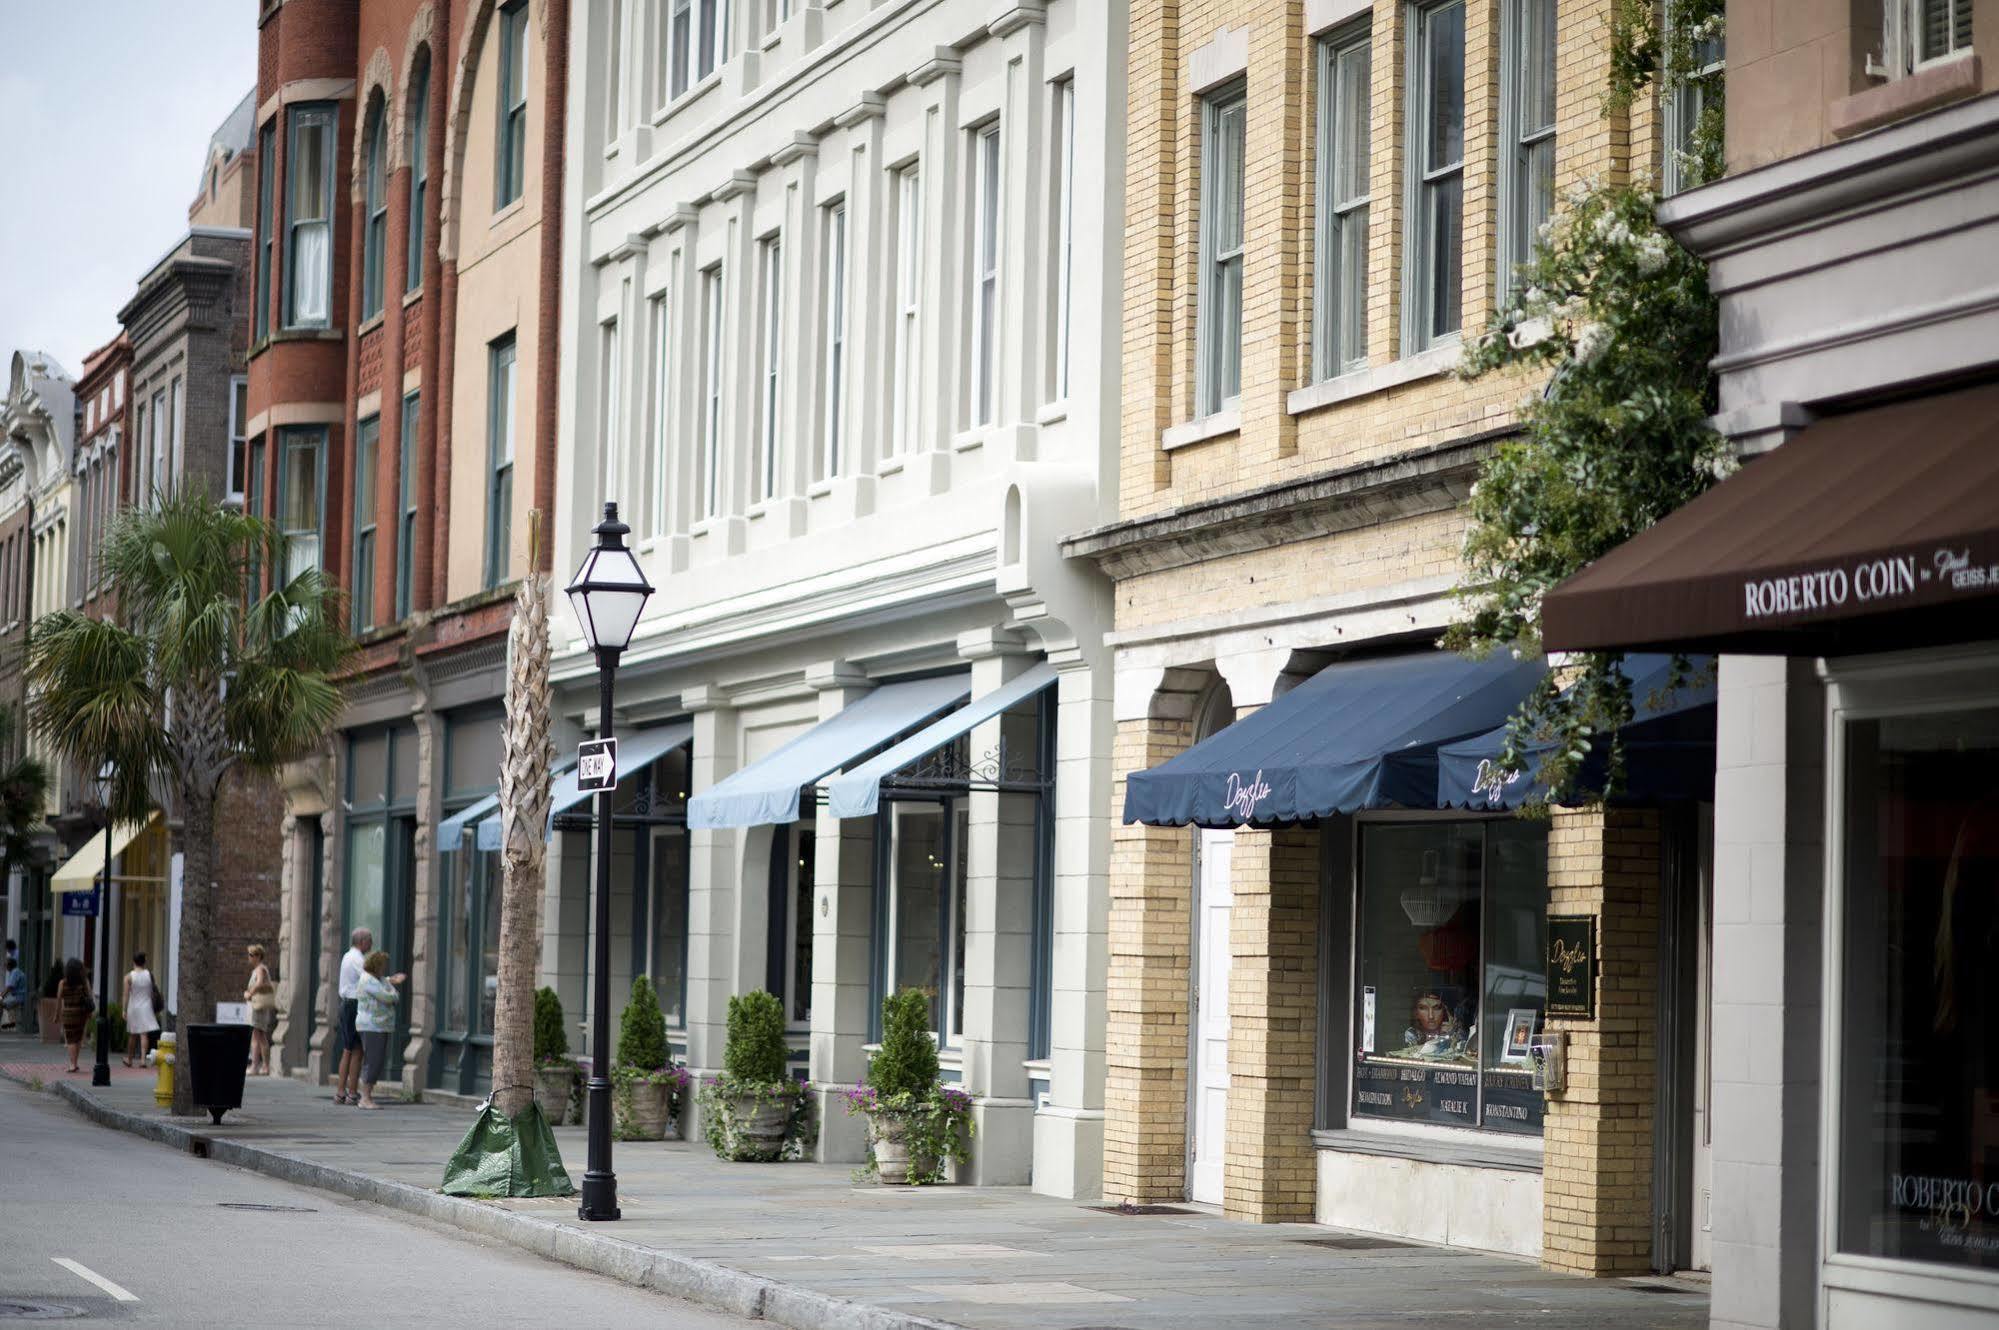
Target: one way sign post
597, 765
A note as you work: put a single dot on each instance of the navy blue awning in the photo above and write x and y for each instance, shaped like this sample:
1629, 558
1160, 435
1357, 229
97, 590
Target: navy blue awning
1668, 748
1359, 734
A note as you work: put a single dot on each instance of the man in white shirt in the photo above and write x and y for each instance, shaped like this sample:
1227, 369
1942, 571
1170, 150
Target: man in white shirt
347, 1084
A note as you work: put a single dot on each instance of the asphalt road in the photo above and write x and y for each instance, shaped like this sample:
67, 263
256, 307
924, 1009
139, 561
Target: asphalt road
83, 1207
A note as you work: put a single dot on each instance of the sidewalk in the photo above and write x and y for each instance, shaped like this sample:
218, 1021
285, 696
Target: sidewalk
803, 1245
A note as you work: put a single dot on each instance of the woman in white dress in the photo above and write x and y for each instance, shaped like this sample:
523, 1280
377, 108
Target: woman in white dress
141, 1021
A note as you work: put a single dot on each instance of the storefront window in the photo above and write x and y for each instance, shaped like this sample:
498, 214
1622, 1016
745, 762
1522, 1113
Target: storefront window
929, 908
1450, 982
669, 917
1918, 1041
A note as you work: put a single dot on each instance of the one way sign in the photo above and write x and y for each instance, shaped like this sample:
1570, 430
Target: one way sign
597, 765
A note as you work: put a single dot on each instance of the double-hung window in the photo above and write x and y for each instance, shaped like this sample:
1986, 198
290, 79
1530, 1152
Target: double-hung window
375, 225
1339, 296
1687, 103
153, 477
708, 457
697, 32
500, 408
239, 417
1065, 205
662, 387
610, 413
1218, 369
770, 318
301, 485
1527, 119
908, 309
267, 168
985, 273
510, 171
1920, 32
1433, 246
367, 443
309, 216
419, 140
833, 345
406, 450
253, 504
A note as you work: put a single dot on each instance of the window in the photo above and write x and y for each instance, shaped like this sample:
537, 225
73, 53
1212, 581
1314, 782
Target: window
775, 12
609, 416
301, 510
1339, 279
1218, 373
908, 309
679, 47
697, 35
375, 222
511, 171
169, 465
708, 460
1686, 106
419, 145
662, 385
309, 217
500, 405
985, 273
926, 942
253, 503
267, 167
367, 442
406, 450
153, 475
1436, 120
1527, 95
833, 346
239, 419
1065, 205
1448, 961
614, 80
1916, 1057
770, 317
669, 922
1920, 32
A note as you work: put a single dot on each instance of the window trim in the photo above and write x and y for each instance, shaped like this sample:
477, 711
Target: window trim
375, 214
661, 375
770, 341
708, 456
419, 164
1210, 344
510, 140
1902, 36
299, 115
1418, 282
502, 385
367, 482
987, 257
833, 343
1330, 358
406, 449
1516, 143
905, 412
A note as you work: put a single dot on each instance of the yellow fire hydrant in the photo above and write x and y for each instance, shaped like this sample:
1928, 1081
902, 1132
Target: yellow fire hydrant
163, 1064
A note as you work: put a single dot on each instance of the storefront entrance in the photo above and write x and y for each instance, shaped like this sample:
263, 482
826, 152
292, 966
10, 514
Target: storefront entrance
1208, 1142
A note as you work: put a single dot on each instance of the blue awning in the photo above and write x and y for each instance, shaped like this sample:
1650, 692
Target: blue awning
638, 749
766, 791
858, 792
1668, 748
1358, 734
452, 830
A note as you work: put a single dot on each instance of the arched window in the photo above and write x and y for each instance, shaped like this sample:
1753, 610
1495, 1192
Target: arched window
419, 159
374, 240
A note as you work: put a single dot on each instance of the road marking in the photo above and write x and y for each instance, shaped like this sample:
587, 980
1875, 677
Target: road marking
82, 1271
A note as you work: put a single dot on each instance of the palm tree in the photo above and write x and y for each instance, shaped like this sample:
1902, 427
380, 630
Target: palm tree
205, 675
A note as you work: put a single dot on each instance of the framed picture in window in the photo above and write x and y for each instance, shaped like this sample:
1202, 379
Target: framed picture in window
1519, 1040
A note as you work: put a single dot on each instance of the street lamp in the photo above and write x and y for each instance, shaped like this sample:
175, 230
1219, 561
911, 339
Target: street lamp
101, 1073
607, 592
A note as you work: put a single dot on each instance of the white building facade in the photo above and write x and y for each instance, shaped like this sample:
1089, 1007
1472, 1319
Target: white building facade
840, 326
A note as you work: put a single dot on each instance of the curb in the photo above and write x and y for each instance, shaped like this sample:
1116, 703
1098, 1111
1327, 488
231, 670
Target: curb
707, 1283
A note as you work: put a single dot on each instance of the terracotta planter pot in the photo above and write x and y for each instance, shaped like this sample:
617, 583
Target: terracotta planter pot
552, 1087
649, 1111
46, 1015
760, 1127
893, 1164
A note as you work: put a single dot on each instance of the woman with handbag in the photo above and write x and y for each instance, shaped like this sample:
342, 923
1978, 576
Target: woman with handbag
262, 995
142, 1009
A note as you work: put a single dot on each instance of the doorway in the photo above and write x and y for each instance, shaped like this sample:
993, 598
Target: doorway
1209, 1084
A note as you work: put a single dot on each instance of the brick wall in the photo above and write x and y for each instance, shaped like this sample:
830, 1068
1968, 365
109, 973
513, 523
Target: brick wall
248, 867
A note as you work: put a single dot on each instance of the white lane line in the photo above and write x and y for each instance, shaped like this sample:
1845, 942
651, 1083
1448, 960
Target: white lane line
82, 1271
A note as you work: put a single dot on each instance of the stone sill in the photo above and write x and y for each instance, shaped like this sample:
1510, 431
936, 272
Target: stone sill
1950, 80
1428, 1150
1228, 420
1359, 383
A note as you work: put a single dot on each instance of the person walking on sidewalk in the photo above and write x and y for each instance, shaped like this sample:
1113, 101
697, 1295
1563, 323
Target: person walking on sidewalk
13, 996
73, 1004
376, 1020
142, 1009
347, 1082
262, 995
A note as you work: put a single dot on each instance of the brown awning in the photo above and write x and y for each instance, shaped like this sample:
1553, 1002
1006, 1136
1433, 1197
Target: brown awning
1871, 531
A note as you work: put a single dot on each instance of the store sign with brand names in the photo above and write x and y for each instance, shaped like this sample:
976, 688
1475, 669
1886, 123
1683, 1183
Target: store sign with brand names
1572, 966
597, 765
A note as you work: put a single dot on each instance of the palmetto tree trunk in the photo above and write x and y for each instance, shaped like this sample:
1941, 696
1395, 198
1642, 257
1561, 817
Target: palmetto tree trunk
524, 800
204, 757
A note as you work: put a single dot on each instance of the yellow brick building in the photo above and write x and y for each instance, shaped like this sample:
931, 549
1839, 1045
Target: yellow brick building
1322, 196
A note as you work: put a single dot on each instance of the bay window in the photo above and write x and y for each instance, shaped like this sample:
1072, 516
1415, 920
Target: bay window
267, 167
301, 505
309, 215
1433, 245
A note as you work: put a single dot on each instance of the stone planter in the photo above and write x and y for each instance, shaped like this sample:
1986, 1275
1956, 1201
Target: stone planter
759, 1127
643, 1110
553, 1086
893, 1165
47, 1015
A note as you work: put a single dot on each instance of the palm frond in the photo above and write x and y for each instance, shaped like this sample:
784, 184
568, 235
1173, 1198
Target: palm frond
95, 693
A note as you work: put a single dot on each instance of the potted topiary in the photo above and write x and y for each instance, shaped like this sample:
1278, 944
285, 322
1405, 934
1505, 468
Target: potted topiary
751, 1109
554, 1070
916, 1125
644, 1083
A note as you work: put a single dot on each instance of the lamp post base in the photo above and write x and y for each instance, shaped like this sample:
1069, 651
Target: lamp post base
600, 1197
600, 1184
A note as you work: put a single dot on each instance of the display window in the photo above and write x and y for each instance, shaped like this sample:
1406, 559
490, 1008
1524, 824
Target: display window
1450, 986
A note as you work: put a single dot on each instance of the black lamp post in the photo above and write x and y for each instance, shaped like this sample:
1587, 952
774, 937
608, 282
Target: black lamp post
608, 593
101, 1073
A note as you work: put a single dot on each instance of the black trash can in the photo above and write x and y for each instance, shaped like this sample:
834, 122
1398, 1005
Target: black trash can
215, 1058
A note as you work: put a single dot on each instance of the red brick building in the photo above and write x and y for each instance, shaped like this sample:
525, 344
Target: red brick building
406, 257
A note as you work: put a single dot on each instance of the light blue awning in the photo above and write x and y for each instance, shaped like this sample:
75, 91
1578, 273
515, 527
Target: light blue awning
452, 830
766, 791
640, 748
858, 792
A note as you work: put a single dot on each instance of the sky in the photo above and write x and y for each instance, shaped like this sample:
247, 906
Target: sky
106, 108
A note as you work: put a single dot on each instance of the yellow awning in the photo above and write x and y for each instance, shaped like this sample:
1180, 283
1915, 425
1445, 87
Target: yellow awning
83, 869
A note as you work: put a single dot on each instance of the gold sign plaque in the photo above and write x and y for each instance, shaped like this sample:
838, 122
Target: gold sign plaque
1572, 966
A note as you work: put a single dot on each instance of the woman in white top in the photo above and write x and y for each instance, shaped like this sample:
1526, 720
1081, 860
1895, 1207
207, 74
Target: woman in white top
141, 1021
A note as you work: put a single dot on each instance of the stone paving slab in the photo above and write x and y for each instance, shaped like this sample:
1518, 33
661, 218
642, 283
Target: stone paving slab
804, 1245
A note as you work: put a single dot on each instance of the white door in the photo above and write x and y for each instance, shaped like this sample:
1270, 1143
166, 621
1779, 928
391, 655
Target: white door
1700, 1253
1211, 1018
